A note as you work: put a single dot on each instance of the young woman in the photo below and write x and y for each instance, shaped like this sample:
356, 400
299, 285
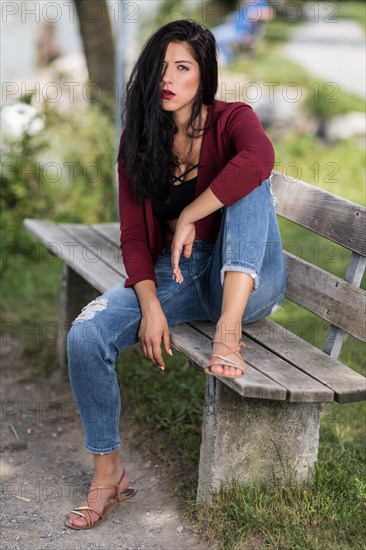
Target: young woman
199, 239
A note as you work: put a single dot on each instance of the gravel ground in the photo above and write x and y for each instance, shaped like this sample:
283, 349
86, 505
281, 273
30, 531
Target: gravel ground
45, 473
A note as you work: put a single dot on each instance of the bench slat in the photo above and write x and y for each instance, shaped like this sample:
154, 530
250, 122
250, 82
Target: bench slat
110, 231
335, 218
330, 297
197, 348
347, 385
59, 243
300, 386
96, 247
335, 337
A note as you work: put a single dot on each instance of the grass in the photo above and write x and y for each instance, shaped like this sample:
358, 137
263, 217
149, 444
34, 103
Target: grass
30, 289
293, 516
328, 167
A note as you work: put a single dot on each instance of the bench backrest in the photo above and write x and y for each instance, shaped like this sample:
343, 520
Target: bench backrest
339, 301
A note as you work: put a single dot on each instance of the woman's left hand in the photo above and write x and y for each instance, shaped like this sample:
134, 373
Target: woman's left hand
184, 236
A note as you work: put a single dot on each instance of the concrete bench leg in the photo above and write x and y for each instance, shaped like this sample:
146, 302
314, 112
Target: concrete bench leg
75, 294
252, 440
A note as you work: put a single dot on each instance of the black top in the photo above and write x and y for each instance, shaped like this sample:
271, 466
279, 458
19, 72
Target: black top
181, 195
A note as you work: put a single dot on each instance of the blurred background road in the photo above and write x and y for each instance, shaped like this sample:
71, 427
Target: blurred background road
328, 46
333, 50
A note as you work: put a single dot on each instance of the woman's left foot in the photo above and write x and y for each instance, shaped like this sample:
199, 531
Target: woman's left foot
101, 498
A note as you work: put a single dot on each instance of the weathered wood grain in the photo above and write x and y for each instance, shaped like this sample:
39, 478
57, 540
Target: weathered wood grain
197, 348
335, 218
355, 271
95, 247
300, 387
347, 385
58, 241
110, 231
332, 298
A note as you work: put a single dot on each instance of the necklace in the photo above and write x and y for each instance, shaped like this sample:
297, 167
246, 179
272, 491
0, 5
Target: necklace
184, 153
185, 149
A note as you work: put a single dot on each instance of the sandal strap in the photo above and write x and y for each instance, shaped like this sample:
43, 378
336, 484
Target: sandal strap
87, 518
88, 523
232, 349
224, 362
120, 496
97, 487
222, 358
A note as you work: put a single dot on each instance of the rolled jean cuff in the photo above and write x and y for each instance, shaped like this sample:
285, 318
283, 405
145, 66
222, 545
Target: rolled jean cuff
248, 269
106, 451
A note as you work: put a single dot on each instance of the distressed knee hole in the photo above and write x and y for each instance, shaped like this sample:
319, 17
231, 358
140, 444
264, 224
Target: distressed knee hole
88, 312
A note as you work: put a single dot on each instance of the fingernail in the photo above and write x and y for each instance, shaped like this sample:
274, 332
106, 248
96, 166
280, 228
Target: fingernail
170, 352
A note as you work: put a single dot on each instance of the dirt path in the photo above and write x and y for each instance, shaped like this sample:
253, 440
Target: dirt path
45, 472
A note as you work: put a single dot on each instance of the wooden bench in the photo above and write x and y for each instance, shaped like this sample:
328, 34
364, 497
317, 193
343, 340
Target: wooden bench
266, 423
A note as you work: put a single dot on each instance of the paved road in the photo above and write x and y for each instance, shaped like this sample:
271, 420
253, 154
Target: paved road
332, 51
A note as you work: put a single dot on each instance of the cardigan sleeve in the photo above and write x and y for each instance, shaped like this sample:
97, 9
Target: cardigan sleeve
253, 158
135, 249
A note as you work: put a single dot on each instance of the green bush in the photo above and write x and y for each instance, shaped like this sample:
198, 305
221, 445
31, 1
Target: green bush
326, 100
64, 173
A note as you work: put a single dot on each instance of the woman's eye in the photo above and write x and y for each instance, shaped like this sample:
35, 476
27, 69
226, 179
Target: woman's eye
179, 67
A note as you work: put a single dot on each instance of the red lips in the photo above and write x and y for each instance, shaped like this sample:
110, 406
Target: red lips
166, 94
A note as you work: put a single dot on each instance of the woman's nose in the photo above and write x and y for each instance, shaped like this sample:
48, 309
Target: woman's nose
166, 77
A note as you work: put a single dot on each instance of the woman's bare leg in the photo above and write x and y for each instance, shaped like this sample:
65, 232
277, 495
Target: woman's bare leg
108, 471
236, 292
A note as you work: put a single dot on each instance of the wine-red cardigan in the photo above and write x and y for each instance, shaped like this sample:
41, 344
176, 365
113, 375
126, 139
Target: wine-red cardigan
236, 156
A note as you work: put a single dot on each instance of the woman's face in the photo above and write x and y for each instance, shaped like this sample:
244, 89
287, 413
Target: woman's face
181, 76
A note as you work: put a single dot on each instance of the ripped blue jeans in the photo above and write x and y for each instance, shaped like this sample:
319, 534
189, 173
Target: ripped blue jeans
248, 241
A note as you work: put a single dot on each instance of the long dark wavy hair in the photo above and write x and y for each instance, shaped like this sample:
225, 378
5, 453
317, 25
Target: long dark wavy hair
146, 151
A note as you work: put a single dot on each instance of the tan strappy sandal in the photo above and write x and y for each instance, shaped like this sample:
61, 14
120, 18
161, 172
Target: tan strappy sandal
225, 362
118, 499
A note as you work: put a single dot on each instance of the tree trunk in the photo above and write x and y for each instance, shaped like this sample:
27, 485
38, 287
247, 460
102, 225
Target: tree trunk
96, 33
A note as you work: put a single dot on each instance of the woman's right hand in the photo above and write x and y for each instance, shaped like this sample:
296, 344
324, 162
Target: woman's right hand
153, 329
